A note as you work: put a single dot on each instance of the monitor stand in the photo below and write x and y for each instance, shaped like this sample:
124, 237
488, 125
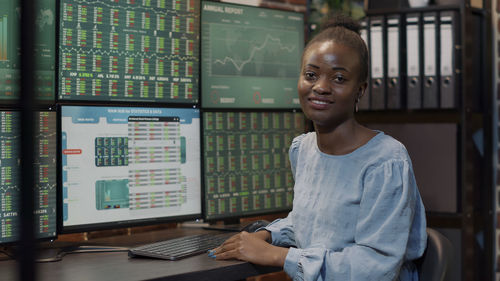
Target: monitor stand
42, 254
49, 254
233, 225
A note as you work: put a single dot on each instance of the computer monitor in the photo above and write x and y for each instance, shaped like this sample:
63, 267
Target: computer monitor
129, 166
131, 50
246, 166
45, 194
44, 51
250, 56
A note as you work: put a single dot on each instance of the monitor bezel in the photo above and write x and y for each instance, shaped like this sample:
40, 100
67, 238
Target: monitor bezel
62, 229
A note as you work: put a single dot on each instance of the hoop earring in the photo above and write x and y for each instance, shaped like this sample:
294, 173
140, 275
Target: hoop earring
356, 108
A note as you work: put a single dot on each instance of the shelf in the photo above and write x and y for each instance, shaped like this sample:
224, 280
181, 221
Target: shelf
434, 116
431, 8
444, 220
473, 115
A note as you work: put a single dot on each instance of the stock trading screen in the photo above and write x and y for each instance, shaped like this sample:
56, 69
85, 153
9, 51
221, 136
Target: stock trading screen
129, 165
10, 175
129, 50
10, 50
247, 170
250, 56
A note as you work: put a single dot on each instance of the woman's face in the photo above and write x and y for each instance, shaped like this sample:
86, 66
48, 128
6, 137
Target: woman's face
329, 83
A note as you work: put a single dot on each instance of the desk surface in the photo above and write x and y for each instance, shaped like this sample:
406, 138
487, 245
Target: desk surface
118, 266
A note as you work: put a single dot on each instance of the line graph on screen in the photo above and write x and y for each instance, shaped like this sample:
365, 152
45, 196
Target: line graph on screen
253, 51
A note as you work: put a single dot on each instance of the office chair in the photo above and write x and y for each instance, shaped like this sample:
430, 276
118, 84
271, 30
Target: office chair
436, 261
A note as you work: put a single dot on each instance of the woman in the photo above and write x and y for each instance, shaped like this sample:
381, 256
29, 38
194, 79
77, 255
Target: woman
357, 213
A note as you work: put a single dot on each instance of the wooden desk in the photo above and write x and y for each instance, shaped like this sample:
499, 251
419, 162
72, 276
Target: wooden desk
117, 266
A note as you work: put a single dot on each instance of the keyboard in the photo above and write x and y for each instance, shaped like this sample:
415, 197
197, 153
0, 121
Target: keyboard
179, 248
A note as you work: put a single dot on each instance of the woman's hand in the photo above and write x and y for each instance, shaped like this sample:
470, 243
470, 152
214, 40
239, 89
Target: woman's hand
251, 247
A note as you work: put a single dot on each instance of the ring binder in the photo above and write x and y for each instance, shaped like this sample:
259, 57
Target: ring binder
393, 62
377, 87
414, 94
364, 102
430, 90
447, 27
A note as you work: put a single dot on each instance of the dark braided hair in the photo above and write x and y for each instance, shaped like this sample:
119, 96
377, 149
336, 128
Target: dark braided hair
346, 31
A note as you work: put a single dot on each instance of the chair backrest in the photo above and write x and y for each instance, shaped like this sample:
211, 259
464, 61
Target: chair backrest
435, 262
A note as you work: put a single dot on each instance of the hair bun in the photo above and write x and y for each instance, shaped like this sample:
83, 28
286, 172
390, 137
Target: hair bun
340, 20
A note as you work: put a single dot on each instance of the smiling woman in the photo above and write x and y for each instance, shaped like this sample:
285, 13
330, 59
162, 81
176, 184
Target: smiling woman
329, 86
357, 213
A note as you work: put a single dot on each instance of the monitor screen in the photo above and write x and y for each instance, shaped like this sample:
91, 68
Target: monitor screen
125, 166
44, 50
250, 56
129, 51
247, 171
45, 195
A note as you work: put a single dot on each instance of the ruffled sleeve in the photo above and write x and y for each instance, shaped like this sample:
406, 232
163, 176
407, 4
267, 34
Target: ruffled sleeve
282, 233
293, 152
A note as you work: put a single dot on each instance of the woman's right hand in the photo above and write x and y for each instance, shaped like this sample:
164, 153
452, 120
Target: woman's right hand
251, 247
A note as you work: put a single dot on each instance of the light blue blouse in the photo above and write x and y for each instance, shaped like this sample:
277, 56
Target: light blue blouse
355, 217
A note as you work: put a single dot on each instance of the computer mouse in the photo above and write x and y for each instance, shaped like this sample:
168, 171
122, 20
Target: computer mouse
253, 226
